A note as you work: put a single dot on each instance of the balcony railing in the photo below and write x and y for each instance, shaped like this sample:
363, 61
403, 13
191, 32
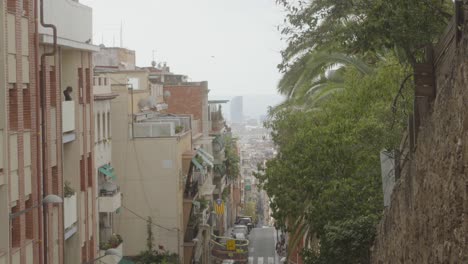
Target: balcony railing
68, 116
191, 190
70, 215
196, 128
109, 198
161, 126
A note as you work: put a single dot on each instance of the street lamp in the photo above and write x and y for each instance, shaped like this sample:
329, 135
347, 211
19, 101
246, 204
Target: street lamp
49, 199
52, 199
109, 252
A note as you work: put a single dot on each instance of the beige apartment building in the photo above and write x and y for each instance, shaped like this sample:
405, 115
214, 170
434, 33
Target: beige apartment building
108, 196
45, 140
147, 151
71, 66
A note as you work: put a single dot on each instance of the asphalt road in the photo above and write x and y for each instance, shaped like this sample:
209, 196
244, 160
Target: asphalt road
262, 246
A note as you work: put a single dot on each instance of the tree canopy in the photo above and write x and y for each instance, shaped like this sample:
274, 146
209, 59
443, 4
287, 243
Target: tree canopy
325, 182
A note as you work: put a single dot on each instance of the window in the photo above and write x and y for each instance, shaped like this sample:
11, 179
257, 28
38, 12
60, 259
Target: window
133, 83
80, 85
88, 85
104, 132
98, 129
108, 125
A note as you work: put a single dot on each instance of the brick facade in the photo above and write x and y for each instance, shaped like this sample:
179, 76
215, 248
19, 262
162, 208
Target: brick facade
23, 109
187, 98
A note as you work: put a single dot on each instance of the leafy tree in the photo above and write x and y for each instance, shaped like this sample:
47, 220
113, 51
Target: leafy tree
362, 26
326, 177
251, 210
232, 158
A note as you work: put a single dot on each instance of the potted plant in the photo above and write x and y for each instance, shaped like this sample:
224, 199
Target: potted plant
68, 191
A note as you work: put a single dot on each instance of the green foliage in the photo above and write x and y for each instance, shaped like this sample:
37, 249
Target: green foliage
203, 203
157, 257
68, 191
114, 241
179, 129
232, 158
251, 210
152, 256
345, 241
226, 193
363, 27
150, 235
325, 182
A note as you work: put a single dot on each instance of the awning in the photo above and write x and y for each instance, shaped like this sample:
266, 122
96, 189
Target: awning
205, 156
198, 165
108, 171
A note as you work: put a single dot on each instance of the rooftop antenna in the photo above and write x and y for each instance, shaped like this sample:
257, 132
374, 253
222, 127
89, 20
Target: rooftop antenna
121, 34
113, 41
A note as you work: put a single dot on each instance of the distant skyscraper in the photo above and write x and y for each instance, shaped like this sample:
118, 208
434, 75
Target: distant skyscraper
237, 109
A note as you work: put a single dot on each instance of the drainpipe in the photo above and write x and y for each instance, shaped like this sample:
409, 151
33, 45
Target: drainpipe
42, 94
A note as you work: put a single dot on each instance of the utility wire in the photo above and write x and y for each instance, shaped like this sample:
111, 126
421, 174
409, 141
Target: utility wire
146, 220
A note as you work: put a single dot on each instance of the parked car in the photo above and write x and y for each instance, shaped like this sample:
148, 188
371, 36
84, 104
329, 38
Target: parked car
239, 236
247, 221
243, 229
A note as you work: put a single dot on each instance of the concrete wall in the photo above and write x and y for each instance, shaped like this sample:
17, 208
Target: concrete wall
427, 219
120, 58
150, 177
4, 198
78, 157
73, 20
119, 81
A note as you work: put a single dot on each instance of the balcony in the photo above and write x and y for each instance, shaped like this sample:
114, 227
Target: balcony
109, 198
68, 121
157, 126
73, 21
112, 242
70, 215
101, 85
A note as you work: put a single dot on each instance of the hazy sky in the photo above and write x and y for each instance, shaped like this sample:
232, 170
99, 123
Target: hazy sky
233, 44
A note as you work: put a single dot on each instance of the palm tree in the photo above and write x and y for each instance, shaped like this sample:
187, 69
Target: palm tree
315, 76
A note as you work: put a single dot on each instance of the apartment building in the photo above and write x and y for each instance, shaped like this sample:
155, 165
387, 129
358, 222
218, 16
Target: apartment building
45, 140
20, 194
108, 194
148, 150
73, 162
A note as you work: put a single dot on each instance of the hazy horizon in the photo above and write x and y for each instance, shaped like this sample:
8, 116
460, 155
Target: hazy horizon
234, 45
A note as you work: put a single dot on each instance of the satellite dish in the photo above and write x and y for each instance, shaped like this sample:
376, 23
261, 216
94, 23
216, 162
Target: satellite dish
148, 103
167, 94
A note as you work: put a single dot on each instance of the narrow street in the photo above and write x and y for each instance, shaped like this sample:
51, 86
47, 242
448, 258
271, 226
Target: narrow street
262, 246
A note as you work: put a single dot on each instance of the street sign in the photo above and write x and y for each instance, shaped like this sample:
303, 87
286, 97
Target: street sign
231, 245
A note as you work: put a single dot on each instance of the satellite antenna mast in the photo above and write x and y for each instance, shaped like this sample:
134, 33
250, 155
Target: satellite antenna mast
121, 34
